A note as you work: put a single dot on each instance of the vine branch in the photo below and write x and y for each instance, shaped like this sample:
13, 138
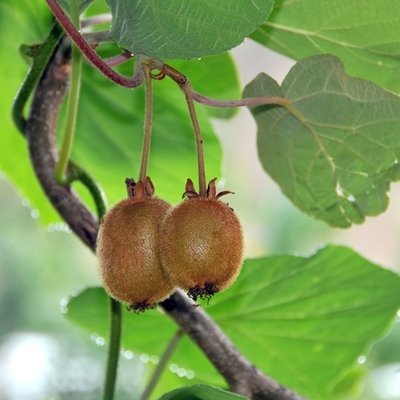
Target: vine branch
90, 53
239, 373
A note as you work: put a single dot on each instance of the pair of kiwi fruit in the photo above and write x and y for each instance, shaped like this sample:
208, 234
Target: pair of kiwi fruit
146, 248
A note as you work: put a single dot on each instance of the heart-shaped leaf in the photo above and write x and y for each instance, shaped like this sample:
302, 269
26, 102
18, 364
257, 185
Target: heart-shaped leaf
176, 29
334, 149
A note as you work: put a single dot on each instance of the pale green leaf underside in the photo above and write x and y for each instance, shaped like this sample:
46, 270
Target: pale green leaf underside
364, 34
83, 4
200, 392
193, 28
304, 321
335, 149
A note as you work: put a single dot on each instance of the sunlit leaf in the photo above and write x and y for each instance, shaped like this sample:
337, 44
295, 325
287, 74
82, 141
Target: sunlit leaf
33, 20
334, 149
110, 119
176, 29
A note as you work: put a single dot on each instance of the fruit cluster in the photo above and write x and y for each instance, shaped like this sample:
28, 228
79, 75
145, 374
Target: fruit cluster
147, 248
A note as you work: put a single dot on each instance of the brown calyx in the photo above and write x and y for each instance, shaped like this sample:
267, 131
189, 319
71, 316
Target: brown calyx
191, 192
139, 190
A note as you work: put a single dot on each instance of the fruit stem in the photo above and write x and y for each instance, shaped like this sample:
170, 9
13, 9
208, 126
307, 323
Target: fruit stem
113, 349
72, 104
148, 122
187, 89
161, 365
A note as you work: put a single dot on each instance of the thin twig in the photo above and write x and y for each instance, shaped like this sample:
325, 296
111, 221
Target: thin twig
166, 356
113, 349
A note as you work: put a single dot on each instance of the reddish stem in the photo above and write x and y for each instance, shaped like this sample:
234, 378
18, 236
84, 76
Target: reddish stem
90, 53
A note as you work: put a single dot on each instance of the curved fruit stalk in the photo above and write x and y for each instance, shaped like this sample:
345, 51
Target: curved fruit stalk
127, 248
201, 243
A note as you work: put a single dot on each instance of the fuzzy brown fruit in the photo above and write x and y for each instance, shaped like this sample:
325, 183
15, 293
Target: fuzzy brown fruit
128, 249
201, 243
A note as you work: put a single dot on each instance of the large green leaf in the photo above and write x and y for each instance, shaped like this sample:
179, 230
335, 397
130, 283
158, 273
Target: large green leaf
200, 392
108, 138
176, 29
364, 34
304, 321
25, 21
335, 148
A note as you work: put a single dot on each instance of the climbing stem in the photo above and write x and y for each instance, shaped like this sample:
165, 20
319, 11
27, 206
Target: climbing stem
113, 349
148, 122
76, 173
72, 103
40, 58
161, 365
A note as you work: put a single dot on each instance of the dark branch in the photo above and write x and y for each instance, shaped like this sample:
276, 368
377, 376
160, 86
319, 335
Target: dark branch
40, 134
243, 377
239, 373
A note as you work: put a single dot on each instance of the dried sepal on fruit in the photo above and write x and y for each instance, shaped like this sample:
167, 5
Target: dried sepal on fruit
201, 243
128, 248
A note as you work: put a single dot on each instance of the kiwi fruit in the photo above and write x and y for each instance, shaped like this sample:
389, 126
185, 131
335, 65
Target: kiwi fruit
127, 248
201, 243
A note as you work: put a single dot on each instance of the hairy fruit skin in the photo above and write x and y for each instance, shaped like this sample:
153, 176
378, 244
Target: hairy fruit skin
128, 253
202, 246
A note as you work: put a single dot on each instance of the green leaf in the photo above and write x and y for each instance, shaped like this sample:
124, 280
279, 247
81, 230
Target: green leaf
110, 120
334, 149
304, 321
172, 29
200, 392
83, 4
365, 35
24, 21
